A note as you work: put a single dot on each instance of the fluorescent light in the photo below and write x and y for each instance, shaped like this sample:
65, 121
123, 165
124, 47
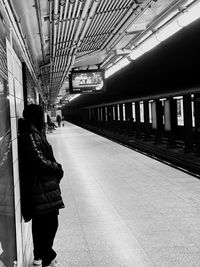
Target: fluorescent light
145, 36
73, 97
152, 40
167, 18
167, 31
150, 43
122, 63
177, 97
119, 65
137, 52
189, 16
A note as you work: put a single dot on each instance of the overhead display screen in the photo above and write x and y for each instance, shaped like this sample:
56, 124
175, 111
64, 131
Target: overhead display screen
87, 81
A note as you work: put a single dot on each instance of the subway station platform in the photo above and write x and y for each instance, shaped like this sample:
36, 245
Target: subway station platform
122, 207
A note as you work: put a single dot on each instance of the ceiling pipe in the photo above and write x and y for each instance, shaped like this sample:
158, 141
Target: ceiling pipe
108, 58
65, 39
116, 5
80, 26
39, 19
64, 21
96, 21
69, 62
126, 21
113, 4
101, 5
102, 8
122, 31
72, 21
71, 32
85, 56
155, 22
82, 19
85, 26
109, 25
109, 21
59, 28
119, 14
88, 21
57, 44
107, 5
126, 3
101, 20
50, 40
55, 26
76, 13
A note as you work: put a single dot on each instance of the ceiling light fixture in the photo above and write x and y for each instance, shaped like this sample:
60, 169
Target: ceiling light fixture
165, 31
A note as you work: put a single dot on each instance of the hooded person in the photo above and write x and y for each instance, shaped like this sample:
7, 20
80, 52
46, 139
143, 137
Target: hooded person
40, 176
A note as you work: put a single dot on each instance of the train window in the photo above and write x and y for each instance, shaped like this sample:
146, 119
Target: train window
106, 113
150, 112
193, 115
98, 114
133, 111
163, 103
180, 111
90, 116
141, 111
113, 108
124, 112
101, 112
118, 113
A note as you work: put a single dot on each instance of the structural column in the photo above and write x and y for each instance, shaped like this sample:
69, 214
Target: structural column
110, 113
137, 117
116, 112
147, 127
129, 119
128, 108
197, 121
103, 114
121, 112
187, 111
170, 115
157, 117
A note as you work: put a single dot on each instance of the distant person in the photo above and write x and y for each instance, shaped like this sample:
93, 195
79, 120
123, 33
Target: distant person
50, 123
58, 119
40, 176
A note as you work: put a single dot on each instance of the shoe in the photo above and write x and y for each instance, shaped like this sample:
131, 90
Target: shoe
54, 263
37, 262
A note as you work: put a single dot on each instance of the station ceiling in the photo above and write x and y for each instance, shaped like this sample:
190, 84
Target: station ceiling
61, 35
170, 69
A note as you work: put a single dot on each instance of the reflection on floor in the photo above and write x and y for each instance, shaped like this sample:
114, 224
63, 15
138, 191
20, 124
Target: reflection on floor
122, 207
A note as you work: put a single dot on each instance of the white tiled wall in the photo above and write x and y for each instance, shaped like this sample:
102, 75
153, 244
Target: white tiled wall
23, 230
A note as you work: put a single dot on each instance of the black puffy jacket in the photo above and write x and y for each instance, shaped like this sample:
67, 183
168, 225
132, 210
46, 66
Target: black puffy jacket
40, 174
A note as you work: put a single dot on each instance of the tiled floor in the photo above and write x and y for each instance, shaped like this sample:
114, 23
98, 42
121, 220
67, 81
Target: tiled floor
123, 208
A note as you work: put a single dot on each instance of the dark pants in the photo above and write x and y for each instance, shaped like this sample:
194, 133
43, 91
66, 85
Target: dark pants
7, 240
44, 228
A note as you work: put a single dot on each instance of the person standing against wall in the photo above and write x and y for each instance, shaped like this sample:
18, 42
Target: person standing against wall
40, 177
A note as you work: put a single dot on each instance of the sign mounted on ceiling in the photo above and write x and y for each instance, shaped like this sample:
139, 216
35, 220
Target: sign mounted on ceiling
87, 81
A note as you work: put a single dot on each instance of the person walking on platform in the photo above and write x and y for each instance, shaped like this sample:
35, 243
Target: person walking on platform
58, 119
40, 176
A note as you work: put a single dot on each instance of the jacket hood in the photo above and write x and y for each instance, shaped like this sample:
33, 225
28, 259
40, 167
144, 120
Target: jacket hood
34, 115
25, 126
